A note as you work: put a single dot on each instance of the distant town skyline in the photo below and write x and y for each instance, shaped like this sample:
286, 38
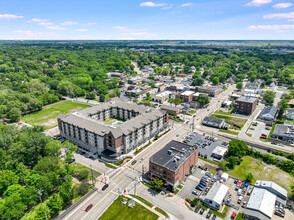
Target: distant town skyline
147, 20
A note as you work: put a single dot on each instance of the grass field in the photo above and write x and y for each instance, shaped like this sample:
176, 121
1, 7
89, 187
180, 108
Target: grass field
47, 116
262, 171
117, 210
229, 132
238, 121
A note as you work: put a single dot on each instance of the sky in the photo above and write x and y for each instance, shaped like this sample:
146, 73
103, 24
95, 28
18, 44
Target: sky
144, 19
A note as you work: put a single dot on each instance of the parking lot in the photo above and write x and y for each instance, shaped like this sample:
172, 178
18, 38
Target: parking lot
258, 130
205, 144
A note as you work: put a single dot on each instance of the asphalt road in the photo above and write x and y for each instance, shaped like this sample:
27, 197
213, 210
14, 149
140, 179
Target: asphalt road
123, 178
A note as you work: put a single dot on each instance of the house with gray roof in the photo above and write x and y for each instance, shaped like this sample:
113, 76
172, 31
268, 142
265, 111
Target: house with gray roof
268, 114
113, 128
213, 122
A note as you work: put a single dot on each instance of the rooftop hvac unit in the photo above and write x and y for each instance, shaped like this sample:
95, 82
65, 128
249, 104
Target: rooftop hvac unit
169, 152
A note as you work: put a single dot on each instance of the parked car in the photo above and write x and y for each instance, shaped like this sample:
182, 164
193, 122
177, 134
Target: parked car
239, 192
195, 192
274, 143
201, 211
199, 188
208, 214
141, 160
233, 216
134, 161
235, 181
105, 187
240, 199
267, 128
209, 174
214, 217
89, 207
244, 204
197, 209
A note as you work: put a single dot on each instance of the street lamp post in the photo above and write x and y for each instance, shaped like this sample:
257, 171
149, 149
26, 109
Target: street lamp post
40, 194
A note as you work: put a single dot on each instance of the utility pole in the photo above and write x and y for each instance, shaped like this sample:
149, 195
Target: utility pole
92, 175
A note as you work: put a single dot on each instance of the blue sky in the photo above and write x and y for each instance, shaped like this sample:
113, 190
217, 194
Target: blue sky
154, 19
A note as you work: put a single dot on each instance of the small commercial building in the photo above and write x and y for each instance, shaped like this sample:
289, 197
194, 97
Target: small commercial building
283, 133
260, 206
171, 110
216, 196
173, 162
272, 187
219, 152
161, 97
245, 105
211, 91
213, 122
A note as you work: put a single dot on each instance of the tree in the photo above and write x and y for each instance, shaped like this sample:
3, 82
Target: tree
239, 85
42, 212
90, 95
54, 203
203, 99
198, 82
156, 184
249, 177
177, 101
117, 92
233, 161
268, 97
282, 105
14, 114
67, 191
215, 80
102, 98
7, 178
69, 149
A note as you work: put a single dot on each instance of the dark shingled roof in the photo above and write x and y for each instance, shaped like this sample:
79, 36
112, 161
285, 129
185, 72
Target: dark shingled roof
272, 110
212, 119
179, 149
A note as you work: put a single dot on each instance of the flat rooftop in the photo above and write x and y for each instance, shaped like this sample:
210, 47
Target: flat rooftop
246, 99
187, 93
173, 155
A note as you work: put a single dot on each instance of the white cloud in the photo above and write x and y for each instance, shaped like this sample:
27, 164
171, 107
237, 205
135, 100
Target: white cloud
186, 4
143, 34
31, 34
68, 23
271, 27
37, 20
45, 23
152, 4
57, 28
90, 24
167, 7
282, 5
289, 16
258, 2
81, 30
120, 28
9, 16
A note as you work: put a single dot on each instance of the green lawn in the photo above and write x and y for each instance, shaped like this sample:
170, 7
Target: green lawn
238, 121
239, 216
229, 132
117, 210
221, 215
47, 116
143, 200
162, 212
108, 120
262, 171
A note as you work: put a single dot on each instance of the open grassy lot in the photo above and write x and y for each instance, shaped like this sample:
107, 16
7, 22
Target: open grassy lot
117, 210
229, 132
262, 171
238, 121
47, 116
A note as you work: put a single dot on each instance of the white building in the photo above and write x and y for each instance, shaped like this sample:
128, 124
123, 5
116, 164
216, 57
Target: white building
216, 195
161, 97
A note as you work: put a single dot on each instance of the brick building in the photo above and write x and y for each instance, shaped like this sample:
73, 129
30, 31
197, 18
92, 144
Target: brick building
173, 162
186, 96
245, 105
210, 91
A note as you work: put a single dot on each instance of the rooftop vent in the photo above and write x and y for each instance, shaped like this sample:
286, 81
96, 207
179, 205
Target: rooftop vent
169, 152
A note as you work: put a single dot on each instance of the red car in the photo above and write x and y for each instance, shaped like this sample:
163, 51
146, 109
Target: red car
262, 137
239, 182
89, 207
233, 216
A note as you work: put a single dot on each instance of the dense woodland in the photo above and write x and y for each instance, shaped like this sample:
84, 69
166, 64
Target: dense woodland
36, 74
31, 170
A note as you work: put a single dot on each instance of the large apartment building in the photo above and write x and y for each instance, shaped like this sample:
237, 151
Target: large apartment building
111, 129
